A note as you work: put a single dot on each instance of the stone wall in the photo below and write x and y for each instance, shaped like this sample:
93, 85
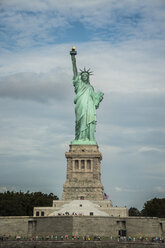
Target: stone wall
144, 226
82, 225
59, 225
107, 226
14, 225
162, 226
102, 226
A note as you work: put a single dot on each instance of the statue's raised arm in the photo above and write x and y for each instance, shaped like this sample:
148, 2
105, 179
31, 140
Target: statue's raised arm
73, 54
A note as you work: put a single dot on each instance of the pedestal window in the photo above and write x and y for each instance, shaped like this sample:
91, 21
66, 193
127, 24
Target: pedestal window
83, 164
88, 164
76, 165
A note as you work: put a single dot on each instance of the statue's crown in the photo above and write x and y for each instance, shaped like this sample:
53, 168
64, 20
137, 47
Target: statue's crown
86, 71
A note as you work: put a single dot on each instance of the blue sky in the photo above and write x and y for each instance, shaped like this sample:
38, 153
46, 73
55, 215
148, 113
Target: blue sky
123, 43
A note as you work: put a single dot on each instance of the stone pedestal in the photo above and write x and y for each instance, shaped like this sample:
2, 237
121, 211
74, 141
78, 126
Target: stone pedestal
83, 179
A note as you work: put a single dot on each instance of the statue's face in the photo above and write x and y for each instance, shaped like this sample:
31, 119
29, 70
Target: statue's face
85, 77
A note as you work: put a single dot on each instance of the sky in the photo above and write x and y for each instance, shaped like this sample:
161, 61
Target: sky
123, 42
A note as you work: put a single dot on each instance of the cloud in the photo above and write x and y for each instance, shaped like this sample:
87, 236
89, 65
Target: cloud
112, 149
160, 189
27, 29
150, 149
4, 189
120, 189
37, 130
36, 23
131, 69
36, 87
157, 169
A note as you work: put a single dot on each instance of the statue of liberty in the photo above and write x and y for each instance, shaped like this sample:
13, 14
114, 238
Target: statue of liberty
86, 102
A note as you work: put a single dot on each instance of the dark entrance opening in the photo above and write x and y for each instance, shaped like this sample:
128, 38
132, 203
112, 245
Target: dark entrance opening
122, 233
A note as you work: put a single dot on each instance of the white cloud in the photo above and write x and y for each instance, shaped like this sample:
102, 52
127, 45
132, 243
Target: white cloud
27, 29
112, 149
150, 149
4, 189
37, 87
63, 5
33, 23
126, 68
120, 189
33, 134
160, 189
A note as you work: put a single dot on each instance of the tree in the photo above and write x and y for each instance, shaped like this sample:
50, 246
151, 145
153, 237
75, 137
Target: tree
154, 208
22, 204
134, 212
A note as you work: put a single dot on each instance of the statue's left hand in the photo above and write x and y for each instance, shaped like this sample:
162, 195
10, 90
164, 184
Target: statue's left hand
99, 99
101, 96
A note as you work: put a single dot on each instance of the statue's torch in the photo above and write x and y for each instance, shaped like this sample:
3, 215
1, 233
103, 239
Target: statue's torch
73, 51
73, 58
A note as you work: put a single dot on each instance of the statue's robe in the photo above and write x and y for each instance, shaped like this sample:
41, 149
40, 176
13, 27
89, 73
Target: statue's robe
86, 101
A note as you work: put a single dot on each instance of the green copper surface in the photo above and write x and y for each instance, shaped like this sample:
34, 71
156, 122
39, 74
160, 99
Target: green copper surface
86, 102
